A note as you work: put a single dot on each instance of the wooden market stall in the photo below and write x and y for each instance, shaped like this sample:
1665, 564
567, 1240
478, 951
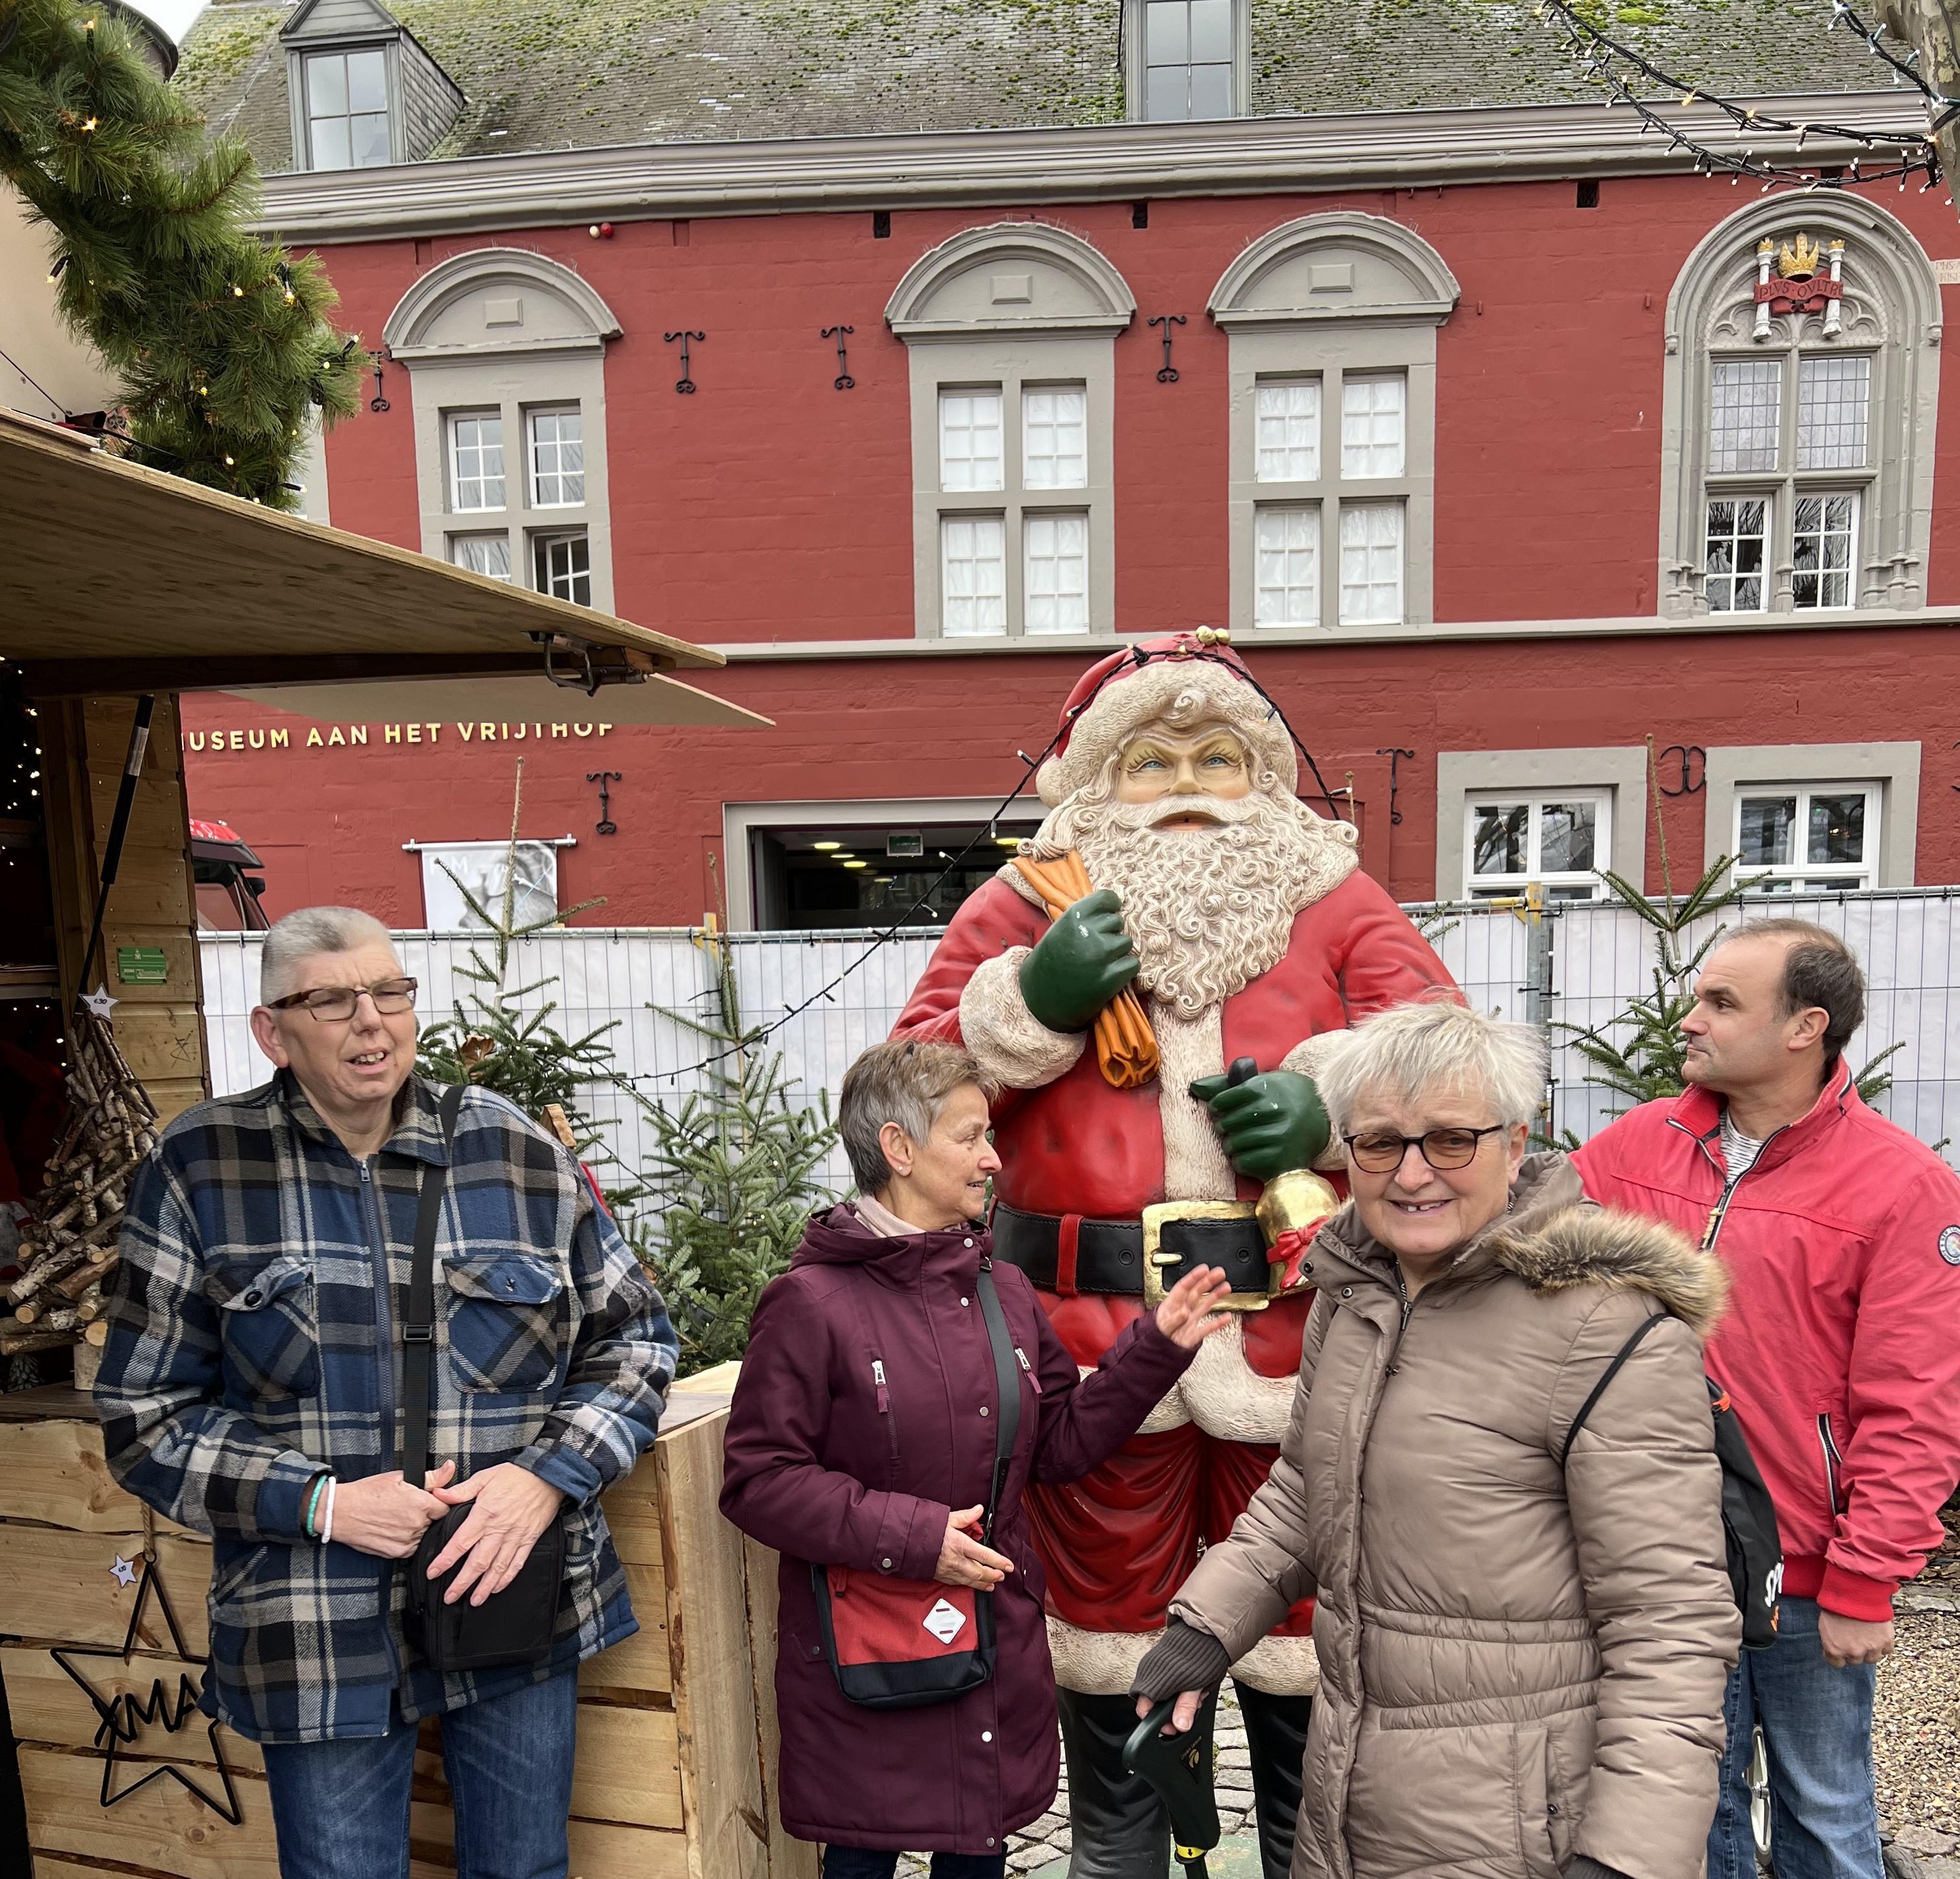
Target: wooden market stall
119, 586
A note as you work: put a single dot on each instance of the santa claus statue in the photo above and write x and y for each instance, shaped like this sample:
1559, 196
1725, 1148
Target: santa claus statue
1179, 912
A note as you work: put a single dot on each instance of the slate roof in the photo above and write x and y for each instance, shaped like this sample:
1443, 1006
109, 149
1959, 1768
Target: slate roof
554, 75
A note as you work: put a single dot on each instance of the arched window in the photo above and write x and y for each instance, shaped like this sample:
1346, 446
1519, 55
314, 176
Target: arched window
1011, 332
1332, 322
1801, 388
506, 351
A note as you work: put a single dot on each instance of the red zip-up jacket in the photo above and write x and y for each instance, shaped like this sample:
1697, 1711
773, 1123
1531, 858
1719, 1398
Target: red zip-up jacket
1840, 1349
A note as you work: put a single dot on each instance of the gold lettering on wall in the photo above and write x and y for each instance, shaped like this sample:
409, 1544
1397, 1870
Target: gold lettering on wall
353, 736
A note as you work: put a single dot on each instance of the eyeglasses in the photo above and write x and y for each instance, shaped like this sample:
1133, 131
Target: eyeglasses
334, 1003
1441, 1148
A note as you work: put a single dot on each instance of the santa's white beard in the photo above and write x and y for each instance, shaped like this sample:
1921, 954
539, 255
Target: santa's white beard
1209, 908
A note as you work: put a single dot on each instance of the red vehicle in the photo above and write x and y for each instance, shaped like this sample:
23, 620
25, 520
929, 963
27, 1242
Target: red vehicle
227, 897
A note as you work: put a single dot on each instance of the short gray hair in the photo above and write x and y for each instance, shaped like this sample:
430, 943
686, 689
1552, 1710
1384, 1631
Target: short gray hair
1413, 1051
298, 936
901, 1081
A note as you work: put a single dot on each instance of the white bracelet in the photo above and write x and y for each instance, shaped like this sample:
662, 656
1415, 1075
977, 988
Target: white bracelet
326, 1517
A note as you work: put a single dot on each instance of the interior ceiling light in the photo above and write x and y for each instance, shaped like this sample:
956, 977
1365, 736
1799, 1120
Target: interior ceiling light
843, 855
1007, 841
857, 864
883, 880
826, 847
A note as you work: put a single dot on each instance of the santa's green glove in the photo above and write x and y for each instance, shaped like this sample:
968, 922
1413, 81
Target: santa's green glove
1082, 962
1270, 1122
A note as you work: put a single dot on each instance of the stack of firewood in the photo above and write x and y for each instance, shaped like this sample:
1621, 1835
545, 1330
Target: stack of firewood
69, 1247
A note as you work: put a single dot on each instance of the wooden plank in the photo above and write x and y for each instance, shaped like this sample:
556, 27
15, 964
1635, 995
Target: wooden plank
789, 1857
629, 1767
50, 1707
600, 1850
718, 1381
707, 1633
162, 1828
55, 1472
639, 1665
60, 1588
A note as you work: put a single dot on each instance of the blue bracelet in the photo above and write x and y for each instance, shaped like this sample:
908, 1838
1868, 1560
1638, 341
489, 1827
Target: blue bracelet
320, 1482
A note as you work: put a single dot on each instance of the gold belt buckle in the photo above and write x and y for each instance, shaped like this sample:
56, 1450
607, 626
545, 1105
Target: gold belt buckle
1155, 1259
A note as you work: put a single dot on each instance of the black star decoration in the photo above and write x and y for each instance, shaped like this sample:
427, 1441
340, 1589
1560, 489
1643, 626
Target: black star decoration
123, 1715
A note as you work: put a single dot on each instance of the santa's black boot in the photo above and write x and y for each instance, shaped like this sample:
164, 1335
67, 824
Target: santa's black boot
1276, 1744
1118, 1827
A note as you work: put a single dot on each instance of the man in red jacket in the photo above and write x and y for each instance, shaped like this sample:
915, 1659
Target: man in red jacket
1842, 1235
1243, 926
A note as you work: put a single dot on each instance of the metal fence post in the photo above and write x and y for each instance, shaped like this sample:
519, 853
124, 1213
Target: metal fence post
1537, 987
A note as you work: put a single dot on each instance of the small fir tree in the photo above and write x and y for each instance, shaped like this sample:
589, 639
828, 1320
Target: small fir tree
735, 1172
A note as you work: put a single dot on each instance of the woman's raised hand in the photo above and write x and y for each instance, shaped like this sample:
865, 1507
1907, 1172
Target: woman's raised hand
1189, 1313
963, 1560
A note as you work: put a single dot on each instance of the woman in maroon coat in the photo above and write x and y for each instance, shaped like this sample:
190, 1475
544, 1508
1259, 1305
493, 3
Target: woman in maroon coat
862, 1435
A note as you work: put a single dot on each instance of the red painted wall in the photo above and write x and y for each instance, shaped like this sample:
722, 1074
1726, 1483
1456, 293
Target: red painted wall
770, 506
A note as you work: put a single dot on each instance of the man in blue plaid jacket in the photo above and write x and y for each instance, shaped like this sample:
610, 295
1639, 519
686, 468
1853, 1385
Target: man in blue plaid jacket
250, 1388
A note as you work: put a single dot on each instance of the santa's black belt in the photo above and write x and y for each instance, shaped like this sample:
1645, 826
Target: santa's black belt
1073, 1253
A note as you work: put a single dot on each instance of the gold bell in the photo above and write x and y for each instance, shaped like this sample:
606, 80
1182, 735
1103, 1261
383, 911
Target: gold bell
1297, 1199
1214, 636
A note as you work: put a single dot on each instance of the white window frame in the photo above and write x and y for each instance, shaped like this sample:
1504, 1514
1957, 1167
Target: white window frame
1765, 576
534, 445
498, 537
1842, 875
452, 421
1034, 530
1313, 546
1735, 769
1822, 574
1617, 773
1479, 886
303, 116
542, 544
1136, 67
954, 529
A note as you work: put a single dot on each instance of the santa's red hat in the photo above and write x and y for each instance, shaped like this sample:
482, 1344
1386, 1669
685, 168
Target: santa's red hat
1117, 696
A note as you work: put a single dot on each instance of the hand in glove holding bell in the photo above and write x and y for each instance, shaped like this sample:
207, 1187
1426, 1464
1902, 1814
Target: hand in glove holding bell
1272, 1121
1083, 961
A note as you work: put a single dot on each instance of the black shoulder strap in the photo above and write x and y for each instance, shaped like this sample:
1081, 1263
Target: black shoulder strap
1007, 1374
1626, 1349
419, 1322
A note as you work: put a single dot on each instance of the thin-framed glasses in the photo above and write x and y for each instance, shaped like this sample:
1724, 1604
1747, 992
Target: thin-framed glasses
1382, 1154
335, 1003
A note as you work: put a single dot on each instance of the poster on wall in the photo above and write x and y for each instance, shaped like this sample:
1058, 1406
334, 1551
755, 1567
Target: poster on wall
448, 867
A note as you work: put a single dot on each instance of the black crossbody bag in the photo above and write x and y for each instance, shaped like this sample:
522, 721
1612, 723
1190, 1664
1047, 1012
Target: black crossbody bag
517, 1625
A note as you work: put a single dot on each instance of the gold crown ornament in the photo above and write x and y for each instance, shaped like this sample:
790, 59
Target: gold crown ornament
1802, 262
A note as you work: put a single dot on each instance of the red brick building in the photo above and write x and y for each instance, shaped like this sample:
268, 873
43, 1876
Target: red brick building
1472, 431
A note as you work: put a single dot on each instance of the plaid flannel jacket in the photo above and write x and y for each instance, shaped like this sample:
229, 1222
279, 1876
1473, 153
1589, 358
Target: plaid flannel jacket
252, 1343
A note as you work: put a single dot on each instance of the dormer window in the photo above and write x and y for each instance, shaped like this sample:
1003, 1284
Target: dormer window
1187, 59
347, 109
364, 91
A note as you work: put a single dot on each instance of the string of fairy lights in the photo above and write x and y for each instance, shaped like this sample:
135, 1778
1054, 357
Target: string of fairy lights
1632, 80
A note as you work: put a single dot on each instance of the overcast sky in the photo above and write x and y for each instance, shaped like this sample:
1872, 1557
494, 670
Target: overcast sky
173, 16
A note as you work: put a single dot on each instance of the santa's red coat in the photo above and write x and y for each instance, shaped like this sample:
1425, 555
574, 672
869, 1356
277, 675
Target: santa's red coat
1076, 1146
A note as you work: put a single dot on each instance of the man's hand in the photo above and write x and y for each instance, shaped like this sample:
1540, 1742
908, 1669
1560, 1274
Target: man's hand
513, 1507
1189, 1313
1181, 1717
1849, 1641
383, 1516
1083, 961
1270, 1122
963, 1560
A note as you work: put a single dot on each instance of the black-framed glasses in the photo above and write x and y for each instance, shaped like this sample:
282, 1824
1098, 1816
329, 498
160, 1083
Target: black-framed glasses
1380, 1153
332, 1003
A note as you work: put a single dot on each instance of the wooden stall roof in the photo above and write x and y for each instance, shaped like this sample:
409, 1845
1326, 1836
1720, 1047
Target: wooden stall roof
120, 578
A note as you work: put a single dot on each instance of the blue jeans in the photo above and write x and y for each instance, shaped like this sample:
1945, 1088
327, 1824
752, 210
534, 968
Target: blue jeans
341, 1809
1816, 1721
864, 1862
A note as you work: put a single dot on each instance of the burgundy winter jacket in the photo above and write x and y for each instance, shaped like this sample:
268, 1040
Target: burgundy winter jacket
826, 1467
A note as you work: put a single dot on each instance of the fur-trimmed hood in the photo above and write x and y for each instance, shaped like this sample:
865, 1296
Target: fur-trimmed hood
1555, 1239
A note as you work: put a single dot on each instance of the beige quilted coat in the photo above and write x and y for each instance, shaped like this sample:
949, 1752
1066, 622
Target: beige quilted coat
1518, 1664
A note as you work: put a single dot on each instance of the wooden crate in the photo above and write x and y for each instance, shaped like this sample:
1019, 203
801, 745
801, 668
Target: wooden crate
675, 1777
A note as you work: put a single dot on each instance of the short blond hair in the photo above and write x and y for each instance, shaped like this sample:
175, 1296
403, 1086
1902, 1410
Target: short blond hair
904, 1081
300, 935
1413, 1051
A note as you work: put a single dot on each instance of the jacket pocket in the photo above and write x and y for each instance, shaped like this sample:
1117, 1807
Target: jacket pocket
269, 1321
1539, 1827
1834, 1465
881, 1399
505, 1313
229, 1580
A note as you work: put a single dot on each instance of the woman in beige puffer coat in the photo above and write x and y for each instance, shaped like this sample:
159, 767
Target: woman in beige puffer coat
1521, 1664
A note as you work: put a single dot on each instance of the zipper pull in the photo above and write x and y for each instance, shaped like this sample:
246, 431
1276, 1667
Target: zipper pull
1029, 1368
884, 1396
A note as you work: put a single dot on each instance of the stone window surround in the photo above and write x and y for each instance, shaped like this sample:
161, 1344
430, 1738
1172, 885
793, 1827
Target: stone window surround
1134, 49
1012, 351
297, 56
1327, 343
741, 820
1884, 262
1893, 766
514, 376
1619, 771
